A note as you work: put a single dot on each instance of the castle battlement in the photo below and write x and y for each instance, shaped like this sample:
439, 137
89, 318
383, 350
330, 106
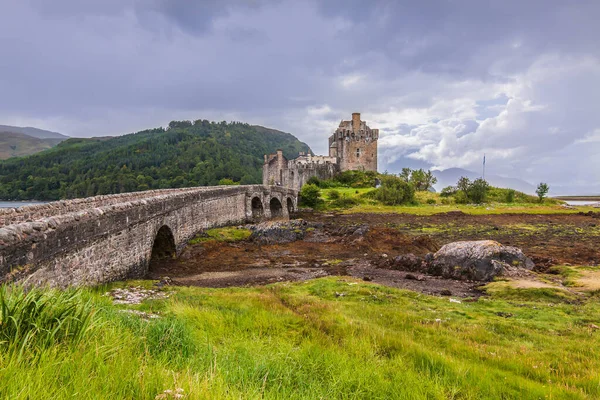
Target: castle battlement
352, 146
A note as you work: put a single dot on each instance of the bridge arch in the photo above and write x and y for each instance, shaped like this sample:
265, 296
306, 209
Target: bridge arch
258, 211
290, 205
113, 237
163, 246
276, 208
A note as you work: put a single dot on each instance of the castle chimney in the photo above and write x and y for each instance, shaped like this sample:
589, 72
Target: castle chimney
355, 122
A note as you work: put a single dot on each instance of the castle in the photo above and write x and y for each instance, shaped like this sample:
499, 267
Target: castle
353, 146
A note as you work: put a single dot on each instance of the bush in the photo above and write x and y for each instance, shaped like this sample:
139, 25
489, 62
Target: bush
478, 190
357, 179
510, 196
394, 191
461, 198
431, 201
471, 192
345, 201
334, 195
310, 195
313, 180
448, 191
227, 182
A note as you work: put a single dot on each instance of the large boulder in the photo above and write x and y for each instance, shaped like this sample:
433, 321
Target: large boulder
477, 260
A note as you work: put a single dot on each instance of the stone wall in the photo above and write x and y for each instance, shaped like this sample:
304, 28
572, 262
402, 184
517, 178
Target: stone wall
114, 241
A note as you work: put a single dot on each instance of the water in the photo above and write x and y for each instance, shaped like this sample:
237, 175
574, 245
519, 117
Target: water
581, 202
9, 204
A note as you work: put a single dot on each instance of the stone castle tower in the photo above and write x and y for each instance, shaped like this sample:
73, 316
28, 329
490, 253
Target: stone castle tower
354, 145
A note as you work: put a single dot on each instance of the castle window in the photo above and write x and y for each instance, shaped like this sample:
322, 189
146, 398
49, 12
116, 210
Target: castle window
357, 152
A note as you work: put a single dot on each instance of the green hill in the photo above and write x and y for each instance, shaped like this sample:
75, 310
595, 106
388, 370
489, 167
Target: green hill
14, 144
185, 154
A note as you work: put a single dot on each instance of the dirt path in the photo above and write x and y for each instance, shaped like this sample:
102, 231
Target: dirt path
358, 245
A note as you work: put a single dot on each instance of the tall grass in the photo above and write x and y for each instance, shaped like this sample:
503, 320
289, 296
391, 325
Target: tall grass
38, 319
308, 341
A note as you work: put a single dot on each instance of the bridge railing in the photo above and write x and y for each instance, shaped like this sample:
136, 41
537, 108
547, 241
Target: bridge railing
10, 216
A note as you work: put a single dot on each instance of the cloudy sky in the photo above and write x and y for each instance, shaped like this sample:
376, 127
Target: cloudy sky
445, 80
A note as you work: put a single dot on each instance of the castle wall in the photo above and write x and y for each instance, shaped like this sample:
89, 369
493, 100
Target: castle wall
359, 155
353, 146
299, 174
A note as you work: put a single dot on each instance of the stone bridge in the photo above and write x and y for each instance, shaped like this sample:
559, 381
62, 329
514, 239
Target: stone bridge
105, 238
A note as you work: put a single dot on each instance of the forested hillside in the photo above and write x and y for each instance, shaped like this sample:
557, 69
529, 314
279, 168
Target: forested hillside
184, 154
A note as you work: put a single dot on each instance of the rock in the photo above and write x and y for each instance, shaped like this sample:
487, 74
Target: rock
445, 292
367, 278
407, 262
279, 232
477, 260
361, 230
504, 314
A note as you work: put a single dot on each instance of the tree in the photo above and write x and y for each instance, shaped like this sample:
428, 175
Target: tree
478, 191
417, 178
394, 191
448, 191
405, 174
542, 190
430, 180
310, 195
463, 184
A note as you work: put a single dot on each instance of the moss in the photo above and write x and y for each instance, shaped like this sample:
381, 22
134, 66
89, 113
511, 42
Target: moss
226, 234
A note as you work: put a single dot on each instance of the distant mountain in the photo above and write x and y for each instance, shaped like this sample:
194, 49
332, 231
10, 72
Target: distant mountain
185, 154
450, 176
33, 132
14, 144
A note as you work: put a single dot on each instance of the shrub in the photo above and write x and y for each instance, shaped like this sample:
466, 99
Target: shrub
310, 195
448, 191
227, 182
313, 180
394, 191
478, 190
345, 201
431, 201
334, 195
510, 196
357, 179
461, 198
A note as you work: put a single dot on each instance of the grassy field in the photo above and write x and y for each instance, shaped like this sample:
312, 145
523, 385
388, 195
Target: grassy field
550, 206
321, 339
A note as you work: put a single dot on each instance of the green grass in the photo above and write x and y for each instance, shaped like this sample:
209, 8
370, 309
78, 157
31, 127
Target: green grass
226, 234
366, 205
304, 340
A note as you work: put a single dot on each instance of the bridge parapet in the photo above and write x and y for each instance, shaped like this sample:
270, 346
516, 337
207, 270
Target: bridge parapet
95, 240
9, 216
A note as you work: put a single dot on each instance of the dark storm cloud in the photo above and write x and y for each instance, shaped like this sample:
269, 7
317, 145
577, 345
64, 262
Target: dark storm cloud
444, 80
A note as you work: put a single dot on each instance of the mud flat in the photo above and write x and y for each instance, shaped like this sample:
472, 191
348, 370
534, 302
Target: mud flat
362, 245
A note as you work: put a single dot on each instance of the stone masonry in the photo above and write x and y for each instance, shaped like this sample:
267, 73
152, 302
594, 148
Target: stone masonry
106, 238
353, 146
